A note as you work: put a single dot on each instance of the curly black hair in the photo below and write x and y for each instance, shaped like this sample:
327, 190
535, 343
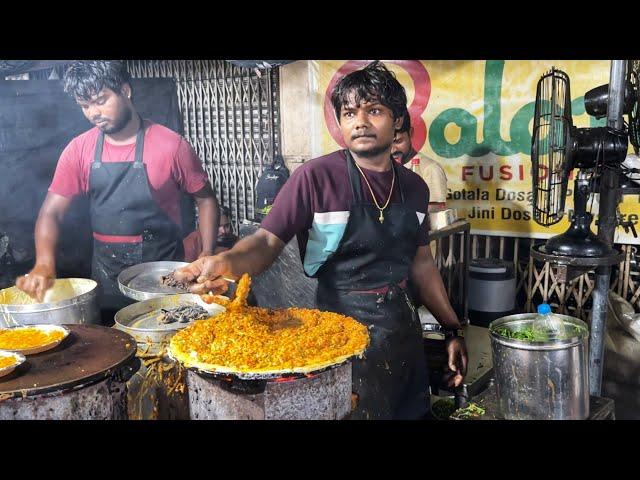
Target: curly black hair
375, 82
85, 78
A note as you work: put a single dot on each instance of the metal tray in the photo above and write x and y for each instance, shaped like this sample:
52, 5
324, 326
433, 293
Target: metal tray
143, 281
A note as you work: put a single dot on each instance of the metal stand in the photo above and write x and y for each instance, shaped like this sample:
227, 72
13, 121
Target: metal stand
572, 267
609, 199
598, 325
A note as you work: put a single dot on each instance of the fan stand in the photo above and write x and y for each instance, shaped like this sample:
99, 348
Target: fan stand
578, 250
579, 240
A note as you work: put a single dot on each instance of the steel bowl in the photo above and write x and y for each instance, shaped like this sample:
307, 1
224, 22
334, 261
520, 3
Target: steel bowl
17, 309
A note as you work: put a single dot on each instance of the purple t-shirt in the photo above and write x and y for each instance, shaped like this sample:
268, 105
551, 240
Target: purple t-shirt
314, 204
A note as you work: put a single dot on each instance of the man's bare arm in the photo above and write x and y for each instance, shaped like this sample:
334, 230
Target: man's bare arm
47, 233
252, 255
427, 279
208, 219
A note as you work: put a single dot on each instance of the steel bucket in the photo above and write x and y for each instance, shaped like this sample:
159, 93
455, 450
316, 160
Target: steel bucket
78, 304
541, 380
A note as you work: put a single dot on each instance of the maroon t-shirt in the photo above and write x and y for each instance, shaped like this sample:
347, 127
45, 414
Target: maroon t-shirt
314, 204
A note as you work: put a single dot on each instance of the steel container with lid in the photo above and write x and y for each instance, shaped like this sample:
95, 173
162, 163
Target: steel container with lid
541, 380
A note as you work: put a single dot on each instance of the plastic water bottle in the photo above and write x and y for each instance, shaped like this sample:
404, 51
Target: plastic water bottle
547, 326
544, 309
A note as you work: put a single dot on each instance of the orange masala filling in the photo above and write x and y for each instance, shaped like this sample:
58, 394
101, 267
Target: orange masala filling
20, 339
7, 362
253, 339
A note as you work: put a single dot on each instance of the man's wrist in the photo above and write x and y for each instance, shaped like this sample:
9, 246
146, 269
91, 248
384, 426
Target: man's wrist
453, 333
49, 267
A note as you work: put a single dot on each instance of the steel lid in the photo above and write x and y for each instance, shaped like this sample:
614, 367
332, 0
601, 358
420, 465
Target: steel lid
144, 281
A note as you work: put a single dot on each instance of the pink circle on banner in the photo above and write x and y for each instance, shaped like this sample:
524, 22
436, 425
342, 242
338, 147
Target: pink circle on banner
422, 92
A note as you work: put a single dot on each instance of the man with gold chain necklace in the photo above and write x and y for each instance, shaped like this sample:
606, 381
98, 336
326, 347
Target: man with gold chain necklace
362, 228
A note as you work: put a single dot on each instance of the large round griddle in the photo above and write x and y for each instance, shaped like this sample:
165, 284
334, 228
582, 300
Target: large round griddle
230, 373
90, 353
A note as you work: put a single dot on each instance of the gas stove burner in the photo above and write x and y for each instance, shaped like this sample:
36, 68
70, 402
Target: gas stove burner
213, 374
290, 378
237, 385
251, 386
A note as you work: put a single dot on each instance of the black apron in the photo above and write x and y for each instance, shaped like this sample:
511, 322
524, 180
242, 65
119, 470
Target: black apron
366, 278
122, 205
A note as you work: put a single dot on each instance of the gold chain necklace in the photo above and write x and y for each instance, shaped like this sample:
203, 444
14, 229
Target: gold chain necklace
393, 180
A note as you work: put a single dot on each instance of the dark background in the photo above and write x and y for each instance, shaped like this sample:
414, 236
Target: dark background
37, 121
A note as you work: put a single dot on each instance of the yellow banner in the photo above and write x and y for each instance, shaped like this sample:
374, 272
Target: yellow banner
475, 118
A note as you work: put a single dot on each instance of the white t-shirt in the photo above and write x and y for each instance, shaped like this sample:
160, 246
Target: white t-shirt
433, 174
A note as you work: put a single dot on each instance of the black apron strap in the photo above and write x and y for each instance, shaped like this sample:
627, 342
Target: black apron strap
354, 179
97, 157
398, 181
137, 162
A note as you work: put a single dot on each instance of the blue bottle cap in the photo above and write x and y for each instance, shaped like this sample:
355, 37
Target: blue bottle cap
544, 308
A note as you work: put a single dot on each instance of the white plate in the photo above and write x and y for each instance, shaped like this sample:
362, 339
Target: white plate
45, 328
20, 359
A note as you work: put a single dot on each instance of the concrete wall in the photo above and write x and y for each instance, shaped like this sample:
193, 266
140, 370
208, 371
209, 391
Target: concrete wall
296, 103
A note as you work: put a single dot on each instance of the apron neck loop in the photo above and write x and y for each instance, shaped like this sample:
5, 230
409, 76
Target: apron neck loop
97, 158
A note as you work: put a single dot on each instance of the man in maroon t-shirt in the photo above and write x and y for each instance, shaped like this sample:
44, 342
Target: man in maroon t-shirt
133, 171
362, 226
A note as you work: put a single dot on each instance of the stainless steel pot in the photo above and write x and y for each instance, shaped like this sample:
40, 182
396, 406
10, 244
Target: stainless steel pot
78, 304
542, 380
139, 319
